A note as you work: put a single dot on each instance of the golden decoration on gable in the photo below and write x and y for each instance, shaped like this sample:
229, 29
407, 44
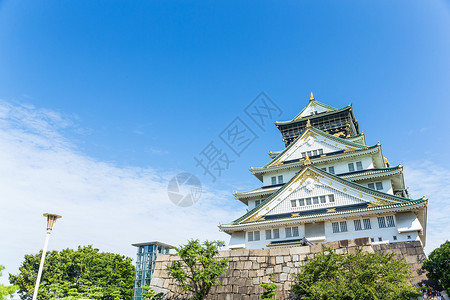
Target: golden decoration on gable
253, 218
330, 210
307, 175
308, 134
308, 123
380, 201
307, 161
295, 215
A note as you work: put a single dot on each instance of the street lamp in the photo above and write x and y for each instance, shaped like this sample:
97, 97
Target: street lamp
51, 219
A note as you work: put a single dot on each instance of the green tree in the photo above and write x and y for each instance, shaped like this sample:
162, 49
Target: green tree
149, 293
199, 267
270, 289
6, 290
82, 273
438, 265
354, 276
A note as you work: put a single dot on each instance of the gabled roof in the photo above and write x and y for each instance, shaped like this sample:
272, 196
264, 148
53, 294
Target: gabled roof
350, 176
297, 119
314, 132
372, 198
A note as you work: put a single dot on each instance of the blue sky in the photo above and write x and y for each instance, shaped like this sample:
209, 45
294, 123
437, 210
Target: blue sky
122, 95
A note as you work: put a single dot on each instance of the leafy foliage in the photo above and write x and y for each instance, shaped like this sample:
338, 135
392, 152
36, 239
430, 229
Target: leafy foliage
354, 276
438, 265
199, 268
270, 289
84, 273
6, 290
149, 293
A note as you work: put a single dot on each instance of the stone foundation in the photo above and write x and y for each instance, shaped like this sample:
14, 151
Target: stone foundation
250, 267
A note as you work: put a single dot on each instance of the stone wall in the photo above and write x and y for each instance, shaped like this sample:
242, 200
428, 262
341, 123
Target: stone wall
250, 267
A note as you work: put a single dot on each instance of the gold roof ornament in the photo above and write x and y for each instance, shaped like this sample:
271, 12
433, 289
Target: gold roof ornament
311, 97
308, 123
307, 161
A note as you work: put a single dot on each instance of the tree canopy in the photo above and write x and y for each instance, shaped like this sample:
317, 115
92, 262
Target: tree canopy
438, 265
6, 290
354, 276
82, 273
199, 267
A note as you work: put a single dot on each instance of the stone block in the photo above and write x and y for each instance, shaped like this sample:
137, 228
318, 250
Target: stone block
367, 249
248, 265
332, 245
411, 259
343, 244
300, 250
255, 281
294, 257
269, 271
225, 253
277, 269
239, 252
244, 273
287, 258
283, 277
272, 260
279, 251
316, 248
255, 265
261, 259
279, 259
258, 252
286, 270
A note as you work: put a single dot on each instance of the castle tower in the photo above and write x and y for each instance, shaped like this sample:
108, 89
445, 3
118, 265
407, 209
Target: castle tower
326, 185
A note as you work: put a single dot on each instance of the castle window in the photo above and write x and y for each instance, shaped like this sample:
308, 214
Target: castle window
291, 231
343, 226
351, 167
257, 202
330, 198
274, 180
366, 223
395, 237
380, 239
302, 202
357, 225
323, 199
376, 185
381, 222
320, 151
331, 170
253, 236
339, 226
390, 221
293, 203
384, 222
409, 237
372, 240
276, 233
315, 200
272, 234
359, 166
379, 185
280, 179
308, 201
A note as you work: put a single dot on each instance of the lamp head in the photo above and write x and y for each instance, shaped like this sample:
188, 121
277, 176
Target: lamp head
51, 219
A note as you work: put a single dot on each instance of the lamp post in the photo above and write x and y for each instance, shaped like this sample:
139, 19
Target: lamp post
51, 219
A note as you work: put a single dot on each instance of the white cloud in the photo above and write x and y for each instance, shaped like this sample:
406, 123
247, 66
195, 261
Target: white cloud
101, 204
431, 180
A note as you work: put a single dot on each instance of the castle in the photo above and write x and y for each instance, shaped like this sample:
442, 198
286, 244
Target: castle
326, 185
